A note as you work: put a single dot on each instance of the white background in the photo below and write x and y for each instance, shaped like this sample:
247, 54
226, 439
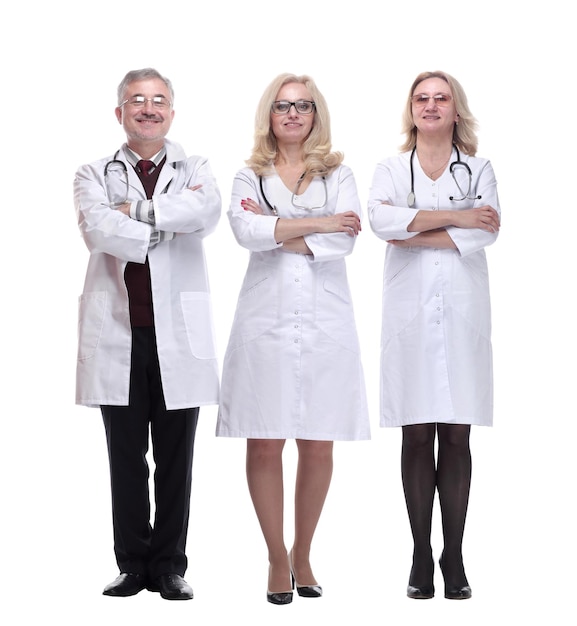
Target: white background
62, 62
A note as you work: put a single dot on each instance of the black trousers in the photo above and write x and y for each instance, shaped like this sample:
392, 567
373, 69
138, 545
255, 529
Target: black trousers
141, 547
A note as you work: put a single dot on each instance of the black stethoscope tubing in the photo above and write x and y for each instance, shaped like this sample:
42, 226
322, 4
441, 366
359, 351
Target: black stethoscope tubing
272, 208
411, 196
116, 161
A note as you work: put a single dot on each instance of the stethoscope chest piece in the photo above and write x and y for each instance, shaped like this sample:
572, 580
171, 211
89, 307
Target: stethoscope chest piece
464, 195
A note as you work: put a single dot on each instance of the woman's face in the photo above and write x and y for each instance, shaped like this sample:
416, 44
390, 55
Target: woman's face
430, 115
292, 127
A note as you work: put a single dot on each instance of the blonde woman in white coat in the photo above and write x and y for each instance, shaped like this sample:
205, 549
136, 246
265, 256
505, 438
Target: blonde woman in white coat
292, 369
436, 205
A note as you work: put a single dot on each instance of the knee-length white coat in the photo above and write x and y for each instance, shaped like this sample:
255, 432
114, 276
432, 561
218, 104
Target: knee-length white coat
436, 355
292, 368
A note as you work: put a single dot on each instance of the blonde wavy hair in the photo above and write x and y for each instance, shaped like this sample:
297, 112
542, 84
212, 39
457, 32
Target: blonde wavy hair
464, 132
319, 158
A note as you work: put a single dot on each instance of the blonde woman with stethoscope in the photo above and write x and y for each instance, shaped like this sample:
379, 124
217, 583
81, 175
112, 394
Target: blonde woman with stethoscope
436, 205
292, 368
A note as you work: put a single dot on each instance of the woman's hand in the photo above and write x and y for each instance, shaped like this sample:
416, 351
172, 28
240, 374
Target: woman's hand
483, 217
250, 205
348, 222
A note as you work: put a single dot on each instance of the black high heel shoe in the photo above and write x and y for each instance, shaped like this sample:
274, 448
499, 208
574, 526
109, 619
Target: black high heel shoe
422, 592
425, 592
455, 592
279, 597
458, 593
307, 591
304, 591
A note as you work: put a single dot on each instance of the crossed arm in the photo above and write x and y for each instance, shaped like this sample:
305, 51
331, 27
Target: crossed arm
291, 232
431, 226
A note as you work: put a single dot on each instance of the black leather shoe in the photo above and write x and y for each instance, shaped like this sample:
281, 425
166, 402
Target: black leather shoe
304, 591
421, 593
125, 585
281, 597
454, 592
458, 593
309, 591
171, 587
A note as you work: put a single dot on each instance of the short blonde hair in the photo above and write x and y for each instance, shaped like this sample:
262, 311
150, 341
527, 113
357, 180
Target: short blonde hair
464, 133
318, 156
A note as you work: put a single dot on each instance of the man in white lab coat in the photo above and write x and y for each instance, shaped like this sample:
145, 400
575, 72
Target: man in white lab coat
146, 351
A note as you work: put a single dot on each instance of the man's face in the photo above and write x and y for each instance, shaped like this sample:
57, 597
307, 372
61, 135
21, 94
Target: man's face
149, 121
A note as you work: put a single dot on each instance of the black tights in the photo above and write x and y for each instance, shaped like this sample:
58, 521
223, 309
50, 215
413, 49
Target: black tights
451, 477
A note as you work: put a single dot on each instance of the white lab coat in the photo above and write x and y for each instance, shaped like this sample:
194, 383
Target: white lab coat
292, 368
436, 356
180, 287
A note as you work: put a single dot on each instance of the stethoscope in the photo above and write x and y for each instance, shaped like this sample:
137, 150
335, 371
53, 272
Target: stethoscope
273, 208
116, 165
452, 166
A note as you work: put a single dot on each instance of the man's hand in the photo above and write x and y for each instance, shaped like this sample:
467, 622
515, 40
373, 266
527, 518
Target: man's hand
124, 208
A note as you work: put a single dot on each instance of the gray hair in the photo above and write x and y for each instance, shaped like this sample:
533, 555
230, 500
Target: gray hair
143, 74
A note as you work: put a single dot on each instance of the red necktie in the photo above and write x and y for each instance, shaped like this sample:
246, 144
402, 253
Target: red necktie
145, 167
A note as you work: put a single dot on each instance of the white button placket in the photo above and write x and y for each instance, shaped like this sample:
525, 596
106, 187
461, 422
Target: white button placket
296, 333
437, 300
298, 286
436, 303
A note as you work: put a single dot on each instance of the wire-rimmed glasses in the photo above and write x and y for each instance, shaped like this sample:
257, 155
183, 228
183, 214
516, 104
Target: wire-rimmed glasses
440, 99
138, 102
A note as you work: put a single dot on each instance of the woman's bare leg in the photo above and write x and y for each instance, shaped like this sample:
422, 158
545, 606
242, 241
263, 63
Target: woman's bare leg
264, 471
314, 473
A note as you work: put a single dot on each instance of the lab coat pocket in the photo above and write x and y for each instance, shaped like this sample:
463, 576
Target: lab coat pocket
91, 309
256, 311
470, 281
197, 313
334, 313
472, 271
398, 260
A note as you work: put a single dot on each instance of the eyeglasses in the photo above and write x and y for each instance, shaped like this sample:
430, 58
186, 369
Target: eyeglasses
440, 99
304, 107
158, 102
294, 198
303, 207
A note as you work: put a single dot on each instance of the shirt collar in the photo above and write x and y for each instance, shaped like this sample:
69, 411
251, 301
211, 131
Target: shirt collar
133, 157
